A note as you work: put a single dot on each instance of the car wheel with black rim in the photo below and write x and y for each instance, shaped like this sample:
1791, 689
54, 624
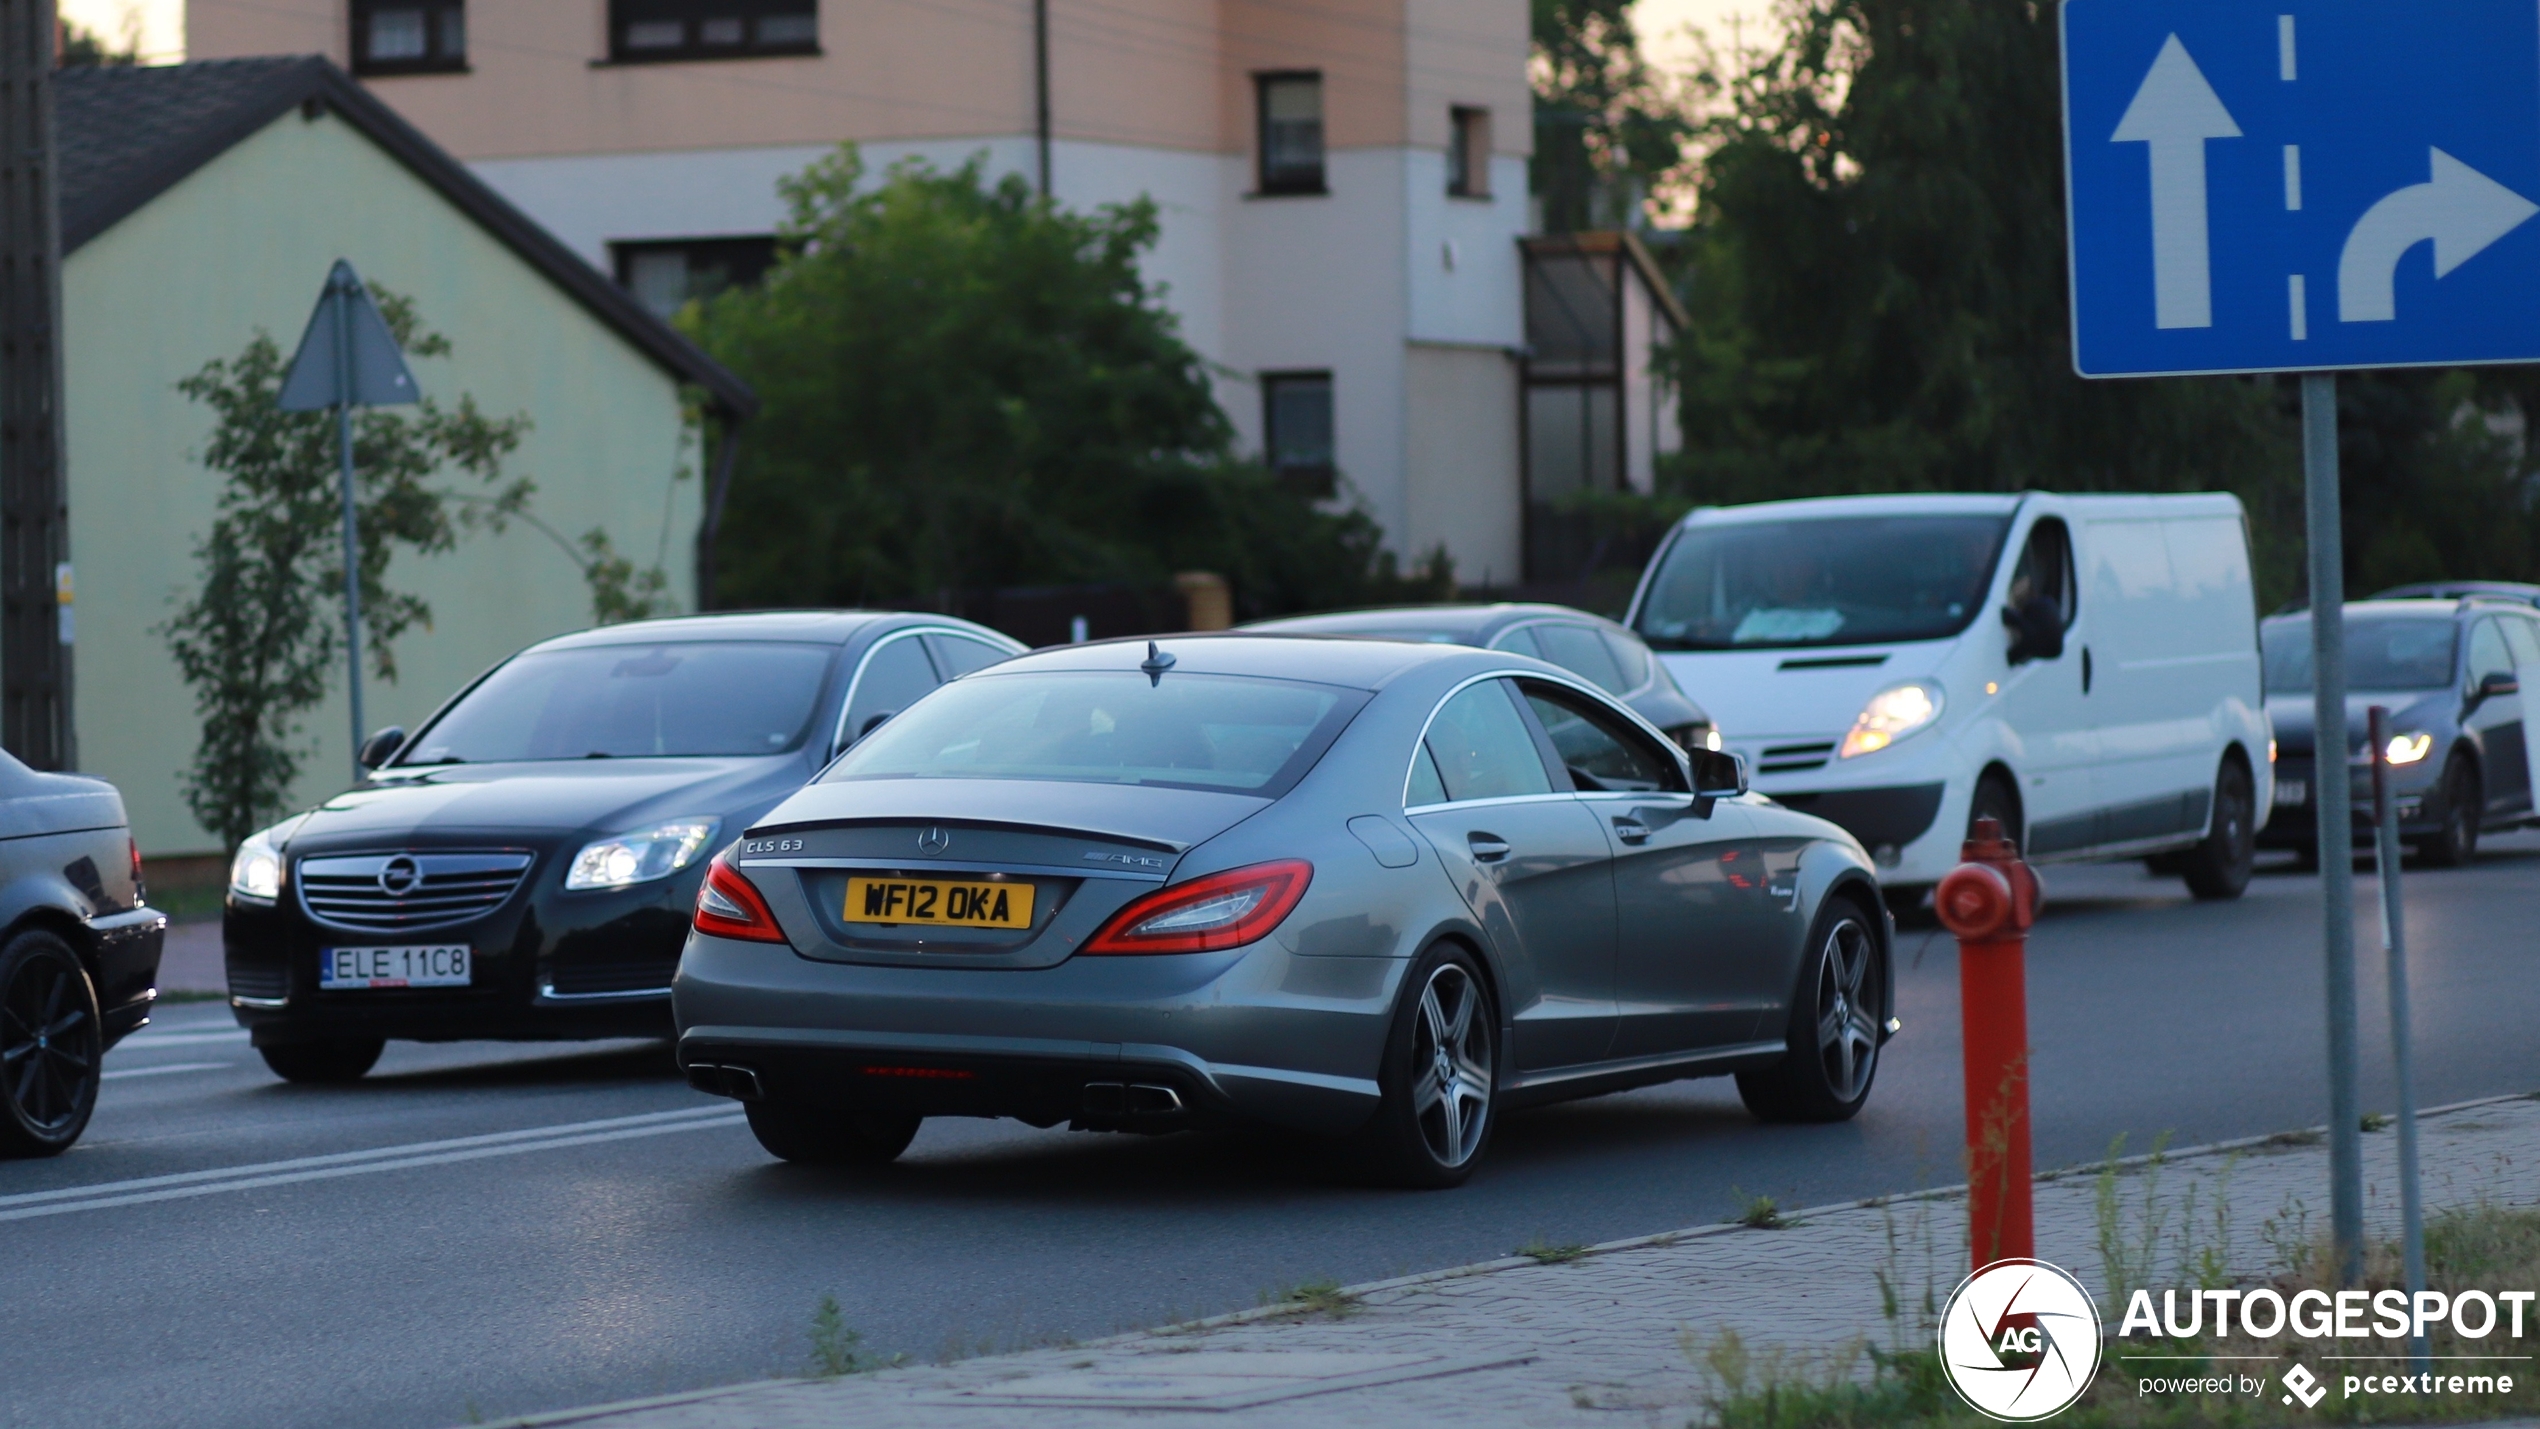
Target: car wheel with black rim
51, 1047
1836, 1022
331, 1062
2219, 867
831, 1136
2463, 802
1440, 1080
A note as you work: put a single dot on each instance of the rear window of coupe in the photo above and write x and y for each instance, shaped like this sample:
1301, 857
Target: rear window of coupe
1232, 734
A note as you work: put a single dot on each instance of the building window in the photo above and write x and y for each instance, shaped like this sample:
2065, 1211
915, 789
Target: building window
1291, 133
664, 276
1468, 152
390, 37
1296, 424
644, 30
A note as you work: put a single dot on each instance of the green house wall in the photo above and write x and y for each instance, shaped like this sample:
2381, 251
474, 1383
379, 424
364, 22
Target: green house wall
243, 244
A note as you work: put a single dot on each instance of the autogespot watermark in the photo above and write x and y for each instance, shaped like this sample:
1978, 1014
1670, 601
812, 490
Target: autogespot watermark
2020, 1341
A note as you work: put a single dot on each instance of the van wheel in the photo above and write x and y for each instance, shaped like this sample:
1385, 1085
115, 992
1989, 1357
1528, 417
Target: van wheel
2219, 867
2463, 802
1439, 1084
1996, 796
1835, 1015
821, 1136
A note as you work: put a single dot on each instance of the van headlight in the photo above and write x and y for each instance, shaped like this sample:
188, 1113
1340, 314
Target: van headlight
255, 871
2408, 748
642, 856
1892, 714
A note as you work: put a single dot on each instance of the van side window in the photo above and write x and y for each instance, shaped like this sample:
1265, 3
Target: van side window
2487, 653
2046, 570
2523, 638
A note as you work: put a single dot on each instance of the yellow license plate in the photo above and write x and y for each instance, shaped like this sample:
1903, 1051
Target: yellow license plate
927, 900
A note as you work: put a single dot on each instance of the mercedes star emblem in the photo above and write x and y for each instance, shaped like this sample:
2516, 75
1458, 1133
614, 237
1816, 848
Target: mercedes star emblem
400, 876
932, 840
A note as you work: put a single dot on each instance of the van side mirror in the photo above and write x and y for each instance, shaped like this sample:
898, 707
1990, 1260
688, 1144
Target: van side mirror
2496, 682
1717, 774
2037, 630
382, 747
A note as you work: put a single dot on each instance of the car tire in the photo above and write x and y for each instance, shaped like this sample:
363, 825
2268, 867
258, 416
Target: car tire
332, 1062
2463, 802
52, 1049
831, 1136
2219, 867
1837, 1012
1998, 796
1439, 1083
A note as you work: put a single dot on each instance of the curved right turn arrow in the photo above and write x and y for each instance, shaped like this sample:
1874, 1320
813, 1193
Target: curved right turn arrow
2461, 210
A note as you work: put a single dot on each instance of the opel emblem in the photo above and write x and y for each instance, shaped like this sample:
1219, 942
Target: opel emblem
400, 876
932, 840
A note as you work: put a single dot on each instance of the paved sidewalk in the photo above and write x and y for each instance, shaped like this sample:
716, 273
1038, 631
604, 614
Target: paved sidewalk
1604, 1338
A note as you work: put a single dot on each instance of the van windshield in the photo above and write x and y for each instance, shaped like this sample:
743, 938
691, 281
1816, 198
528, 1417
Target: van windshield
2405, 653
1837, 580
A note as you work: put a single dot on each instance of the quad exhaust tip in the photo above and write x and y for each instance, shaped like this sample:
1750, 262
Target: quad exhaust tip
738, 1083
1114, 1099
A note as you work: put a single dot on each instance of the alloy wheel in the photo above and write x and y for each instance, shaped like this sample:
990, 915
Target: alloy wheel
48, 1045
1451, 1066
1847, 1017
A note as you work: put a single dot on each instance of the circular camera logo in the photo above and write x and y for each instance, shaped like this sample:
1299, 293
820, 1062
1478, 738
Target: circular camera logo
2020, 1340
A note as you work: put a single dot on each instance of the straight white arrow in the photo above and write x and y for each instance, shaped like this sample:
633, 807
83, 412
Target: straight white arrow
2460, 209
2174, 113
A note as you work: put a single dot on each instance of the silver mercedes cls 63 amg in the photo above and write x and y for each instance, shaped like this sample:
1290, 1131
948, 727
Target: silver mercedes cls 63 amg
1378, 890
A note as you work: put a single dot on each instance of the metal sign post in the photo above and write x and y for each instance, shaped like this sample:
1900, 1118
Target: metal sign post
2254, 186
347, 358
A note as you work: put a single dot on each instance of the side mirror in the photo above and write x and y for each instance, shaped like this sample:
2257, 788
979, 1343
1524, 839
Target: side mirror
382, 747
2494, 683
1717, 774
2037, 630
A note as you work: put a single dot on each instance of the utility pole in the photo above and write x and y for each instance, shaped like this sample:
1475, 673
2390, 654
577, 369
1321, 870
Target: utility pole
1041, 87
35, 570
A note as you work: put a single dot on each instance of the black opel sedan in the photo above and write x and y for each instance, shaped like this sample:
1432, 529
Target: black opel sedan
1605, 654
2456, 676
524, 865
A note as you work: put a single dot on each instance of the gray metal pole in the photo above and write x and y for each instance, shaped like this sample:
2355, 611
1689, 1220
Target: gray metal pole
352, 529
2333, 803
2394, 943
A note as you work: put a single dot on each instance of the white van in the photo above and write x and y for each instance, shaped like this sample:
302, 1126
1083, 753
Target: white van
2084, 668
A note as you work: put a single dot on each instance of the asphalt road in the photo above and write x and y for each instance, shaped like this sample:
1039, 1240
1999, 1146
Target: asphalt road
487, 1230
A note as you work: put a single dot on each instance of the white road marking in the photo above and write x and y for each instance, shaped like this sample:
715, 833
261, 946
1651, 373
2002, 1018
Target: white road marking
162, 1071
146, 1040
183, 1184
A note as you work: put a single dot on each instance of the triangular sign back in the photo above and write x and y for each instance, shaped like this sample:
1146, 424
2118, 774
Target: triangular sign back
379, 375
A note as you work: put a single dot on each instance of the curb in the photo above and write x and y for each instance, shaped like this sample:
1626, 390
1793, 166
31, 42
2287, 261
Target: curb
1519, 1262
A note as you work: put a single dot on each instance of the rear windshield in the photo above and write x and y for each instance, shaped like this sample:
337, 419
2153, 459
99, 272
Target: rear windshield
1847, 580
633, 701
1232, 733
2412, 653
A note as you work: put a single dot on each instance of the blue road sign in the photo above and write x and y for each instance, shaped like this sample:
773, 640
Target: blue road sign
2285, 185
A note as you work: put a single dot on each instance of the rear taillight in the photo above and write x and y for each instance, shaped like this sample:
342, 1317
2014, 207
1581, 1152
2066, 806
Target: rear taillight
728, 907
140, 894
1221, 910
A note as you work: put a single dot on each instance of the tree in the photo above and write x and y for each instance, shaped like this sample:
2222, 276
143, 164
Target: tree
1879, 304
964, 386
260, 640
1609, 128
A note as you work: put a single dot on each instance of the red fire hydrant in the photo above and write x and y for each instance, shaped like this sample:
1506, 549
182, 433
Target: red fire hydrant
1989, 902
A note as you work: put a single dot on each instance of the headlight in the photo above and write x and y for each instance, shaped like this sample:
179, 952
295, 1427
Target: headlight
1892, 714
1712, 741
642, 856
2408, 748
256, 870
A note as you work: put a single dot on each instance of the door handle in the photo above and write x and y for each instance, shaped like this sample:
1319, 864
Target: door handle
1631, 831
1487, 848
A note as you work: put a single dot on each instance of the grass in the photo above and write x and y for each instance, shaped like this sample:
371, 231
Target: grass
188, 905
834, 1347
2375, 1121
1543, 1252
1761, 1213
1317, 1297
1860, 1386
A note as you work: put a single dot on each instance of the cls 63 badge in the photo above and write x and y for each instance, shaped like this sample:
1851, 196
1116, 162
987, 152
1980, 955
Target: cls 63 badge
749, 846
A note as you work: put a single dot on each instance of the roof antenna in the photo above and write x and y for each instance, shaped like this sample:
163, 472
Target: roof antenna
1155, 664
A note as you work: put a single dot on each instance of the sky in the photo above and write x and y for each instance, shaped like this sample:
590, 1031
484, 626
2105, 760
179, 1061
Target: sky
161, 23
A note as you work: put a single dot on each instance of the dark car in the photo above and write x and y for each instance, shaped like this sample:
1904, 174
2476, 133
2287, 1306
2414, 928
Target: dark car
2520, 592
2452, 674
79, 962
525, 864
1599, 651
